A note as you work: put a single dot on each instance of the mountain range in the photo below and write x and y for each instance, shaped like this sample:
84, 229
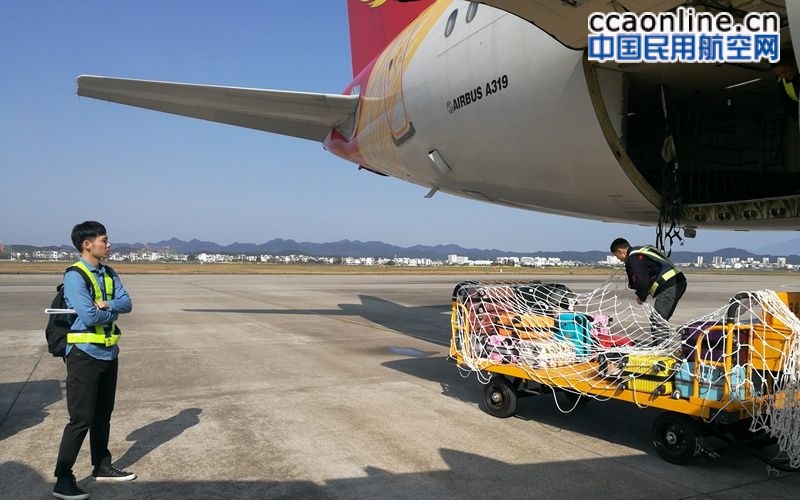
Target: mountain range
355, 248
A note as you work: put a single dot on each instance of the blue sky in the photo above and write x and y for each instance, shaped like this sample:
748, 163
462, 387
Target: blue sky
151, 176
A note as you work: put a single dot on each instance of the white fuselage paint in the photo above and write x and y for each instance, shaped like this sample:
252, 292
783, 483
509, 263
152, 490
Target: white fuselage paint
534, 144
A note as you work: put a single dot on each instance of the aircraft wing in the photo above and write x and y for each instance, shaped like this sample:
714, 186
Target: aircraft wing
567, 21
298, 114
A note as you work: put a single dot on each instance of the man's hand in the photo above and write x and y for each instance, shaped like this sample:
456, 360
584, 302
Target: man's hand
639, 301
101, 304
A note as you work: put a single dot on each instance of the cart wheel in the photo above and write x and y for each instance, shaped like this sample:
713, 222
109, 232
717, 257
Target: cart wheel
675, 437
500, 397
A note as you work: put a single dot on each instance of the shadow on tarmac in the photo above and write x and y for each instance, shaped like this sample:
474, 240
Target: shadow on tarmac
623, 424
462, 472
29, 408
612, 421
151, 436
630, 427
431, 323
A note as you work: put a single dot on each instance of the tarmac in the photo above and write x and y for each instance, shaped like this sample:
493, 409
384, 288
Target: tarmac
313, 386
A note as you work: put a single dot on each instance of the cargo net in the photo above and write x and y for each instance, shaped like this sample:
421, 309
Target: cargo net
745, 356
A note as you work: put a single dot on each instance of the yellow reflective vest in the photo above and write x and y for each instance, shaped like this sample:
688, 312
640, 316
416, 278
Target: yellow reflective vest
789, 88
104, 334
668, 270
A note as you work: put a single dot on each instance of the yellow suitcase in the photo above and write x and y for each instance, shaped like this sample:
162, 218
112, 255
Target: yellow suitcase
651, 386
648, 364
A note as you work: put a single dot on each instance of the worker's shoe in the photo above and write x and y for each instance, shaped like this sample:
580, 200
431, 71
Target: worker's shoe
67, 489
107, 472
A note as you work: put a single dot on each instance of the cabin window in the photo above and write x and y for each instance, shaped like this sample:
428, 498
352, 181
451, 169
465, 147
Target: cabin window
471, 10
451, 23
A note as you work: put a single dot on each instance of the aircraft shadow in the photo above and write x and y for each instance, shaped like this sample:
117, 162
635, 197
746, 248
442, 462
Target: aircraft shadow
26, 404
431, 323
631, 426
612, 421
463, 475
623, 423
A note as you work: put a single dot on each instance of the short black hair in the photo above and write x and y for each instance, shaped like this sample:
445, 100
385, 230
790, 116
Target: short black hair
86, 230
619, 243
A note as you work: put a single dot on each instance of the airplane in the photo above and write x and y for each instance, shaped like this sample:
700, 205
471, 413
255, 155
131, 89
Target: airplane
497, 101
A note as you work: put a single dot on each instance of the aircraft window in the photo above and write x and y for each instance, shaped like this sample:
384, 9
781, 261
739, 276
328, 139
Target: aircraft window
471, 10
451, 23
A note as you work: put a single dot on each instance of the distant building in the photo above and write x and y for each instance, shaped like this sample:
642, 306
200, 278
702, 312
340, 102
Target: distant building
699, 261
508, 261
457, 259
480, 262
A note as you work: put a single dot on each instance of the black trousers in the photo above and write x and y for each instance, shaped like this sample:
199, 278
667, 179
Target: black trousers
91, 388
664, 303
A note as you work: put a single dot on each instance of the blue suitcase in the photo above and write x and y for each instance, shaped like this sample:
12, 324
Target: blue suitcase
712, 381
576, 328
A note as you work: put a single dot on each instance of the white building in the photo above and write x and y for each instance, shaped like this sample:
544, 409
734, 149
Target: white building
457, 259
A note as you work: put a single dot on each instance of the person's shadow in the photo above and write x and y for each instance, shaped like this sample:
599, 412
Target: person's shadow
151, 436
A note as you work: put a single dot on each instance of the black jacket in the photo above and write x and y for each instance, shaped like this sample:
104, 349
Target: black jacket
789, 104
642, 271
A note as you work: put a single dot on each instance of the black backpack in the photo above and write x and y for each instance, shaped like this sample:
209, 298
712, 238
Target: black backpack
59, 324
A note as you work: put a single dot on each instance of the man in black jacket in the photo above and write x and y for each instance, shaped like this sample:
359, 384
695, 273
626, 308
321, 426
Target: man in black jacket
651, 273
789, 89
788, 82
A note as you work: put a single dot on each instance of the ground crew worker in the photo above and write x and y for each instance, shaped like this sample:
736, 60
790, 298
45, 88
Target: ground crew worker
651, 273
789, 88
91, 360
788, 81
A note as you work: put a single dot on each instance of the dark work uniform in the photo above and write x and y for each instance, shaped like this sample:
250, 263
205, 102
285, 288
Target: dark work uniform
651, 273
790, 141
790, 91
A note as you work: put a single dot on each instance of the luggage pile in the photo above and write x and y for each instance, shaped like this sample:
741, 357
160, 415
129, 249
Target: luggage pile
538, 326
533, 324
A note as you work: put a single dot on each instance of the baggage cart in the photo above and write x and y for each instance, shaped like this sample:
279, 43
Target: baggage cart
695, 406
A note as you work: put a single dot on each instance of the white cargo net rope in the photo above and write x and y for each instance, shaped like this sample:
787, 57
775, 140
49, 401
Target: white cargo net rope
519, 324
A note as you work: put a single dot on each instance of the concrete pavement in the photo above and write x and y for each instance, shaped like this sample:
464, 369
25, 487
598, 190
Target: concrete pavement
275, 386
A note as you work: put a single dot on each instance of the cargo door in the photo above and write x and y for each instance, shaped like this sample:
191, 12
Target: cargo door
567, 20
